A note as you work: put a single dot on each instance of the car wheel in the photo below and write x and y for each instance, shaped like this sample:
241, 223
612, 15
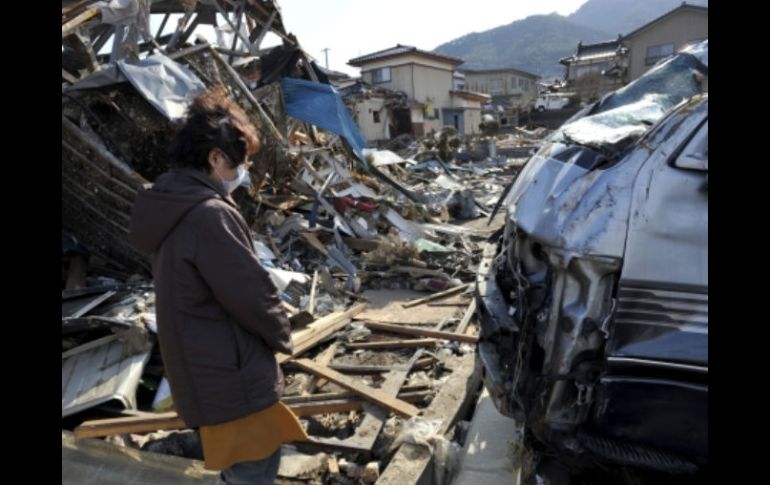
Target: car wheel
540, 109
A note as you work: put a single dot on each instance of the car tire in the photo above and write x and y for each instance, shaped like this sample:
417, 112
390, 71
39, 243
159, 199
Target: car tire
540, 109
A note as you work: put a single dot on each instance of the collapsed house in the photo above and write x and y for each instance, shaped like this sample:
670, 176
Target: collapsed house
352, 237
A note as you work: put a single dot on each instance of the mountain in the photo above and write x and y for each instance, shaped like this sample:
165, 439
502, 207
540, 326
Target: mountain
536, 43
533, 44
623, 16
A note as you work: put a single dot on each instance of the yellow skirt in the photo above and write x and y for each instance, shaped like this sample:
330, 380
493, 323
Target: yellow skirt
250, 438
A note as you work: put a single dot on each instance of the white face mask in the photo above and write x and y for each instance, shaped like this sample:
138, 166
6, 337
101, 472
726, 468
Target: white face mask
231, 185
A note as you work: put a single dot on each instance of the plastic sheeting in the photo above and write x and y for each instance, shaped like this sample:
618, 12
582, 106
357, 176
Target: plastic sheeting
321, 105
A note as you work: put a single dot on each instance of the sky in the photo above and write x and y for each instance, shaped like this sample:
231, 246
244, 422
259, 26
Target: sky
350, 28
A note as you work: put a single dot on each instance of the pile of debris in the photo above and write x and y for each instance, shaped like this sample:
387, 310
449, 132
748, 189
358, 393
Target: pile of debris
349, 236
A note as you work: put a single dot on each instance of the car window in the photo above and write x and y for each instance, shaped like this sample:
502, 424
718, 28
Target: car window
695, 155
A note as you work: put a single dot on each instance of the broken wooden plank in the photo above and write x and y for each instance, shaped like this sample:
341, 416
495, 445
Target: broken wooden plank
423, 332
284, 202
312, 239
138, 424
424, 362
313, 408
68, 77
376, 395
411, 462
314, 333
395, 344
289, 307
80, 19
436, 296
469, 312
361, 244
361, 369
370, 427
423, 389
324, 358
313, 285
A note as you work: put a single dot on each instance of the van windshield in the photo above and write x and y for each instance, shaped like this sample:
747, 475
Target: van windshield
625, 115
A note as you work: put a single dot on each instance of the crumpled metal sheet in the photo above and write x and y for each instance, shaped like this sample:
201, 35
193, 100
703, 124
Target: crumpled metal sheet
101, 371
167, 85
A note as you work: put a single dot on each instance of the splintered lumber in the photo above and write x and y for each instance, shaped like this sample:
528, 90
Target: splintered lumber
375, 395
395, 344
322, 328
423, 332
436, 296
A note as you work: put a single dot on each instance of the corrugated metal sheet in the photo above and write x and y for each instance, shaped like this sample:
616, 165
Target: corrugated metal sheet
100, 371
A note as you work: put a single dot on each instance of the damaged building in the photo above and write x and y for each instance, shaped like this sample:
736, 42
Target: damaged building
427, 79
513, 91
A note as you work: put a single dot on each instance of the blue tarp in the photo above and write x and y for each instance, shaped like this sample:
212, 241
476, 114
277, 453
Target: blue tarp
321, 105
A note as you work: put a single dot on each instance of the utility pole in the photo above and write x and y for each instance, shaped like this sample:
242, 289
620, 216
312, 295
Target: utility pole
326, 54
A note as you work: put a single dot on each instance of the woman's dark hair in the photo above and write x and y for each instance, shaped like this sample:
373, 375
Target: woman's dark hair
214, 121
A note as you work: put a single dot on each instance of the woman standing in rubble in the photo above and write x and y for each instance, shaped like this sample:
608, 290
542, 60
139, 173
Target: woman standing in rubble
220, 319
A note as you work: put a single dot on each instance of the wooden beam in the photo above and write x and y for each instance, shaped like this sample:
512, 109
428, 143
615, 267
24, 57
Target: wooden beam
423, 332
422, 389
469, 312
436, 296
257, 37
375, 395
72, 25
394, 344
346, 405
106, 427
312, 239
361, 244
68, 77
313, 286
317, 331
323, 358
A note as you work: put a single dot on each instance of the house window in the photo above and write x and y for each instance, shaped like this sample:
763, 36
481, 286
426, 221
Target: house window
376, 116
435, 114
581, 71
496, 86
521, 83
381, 75
658, 52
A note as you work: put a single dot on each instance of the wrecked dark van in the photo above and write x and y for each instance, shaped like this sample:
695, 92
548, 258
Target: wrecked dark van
594, 297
